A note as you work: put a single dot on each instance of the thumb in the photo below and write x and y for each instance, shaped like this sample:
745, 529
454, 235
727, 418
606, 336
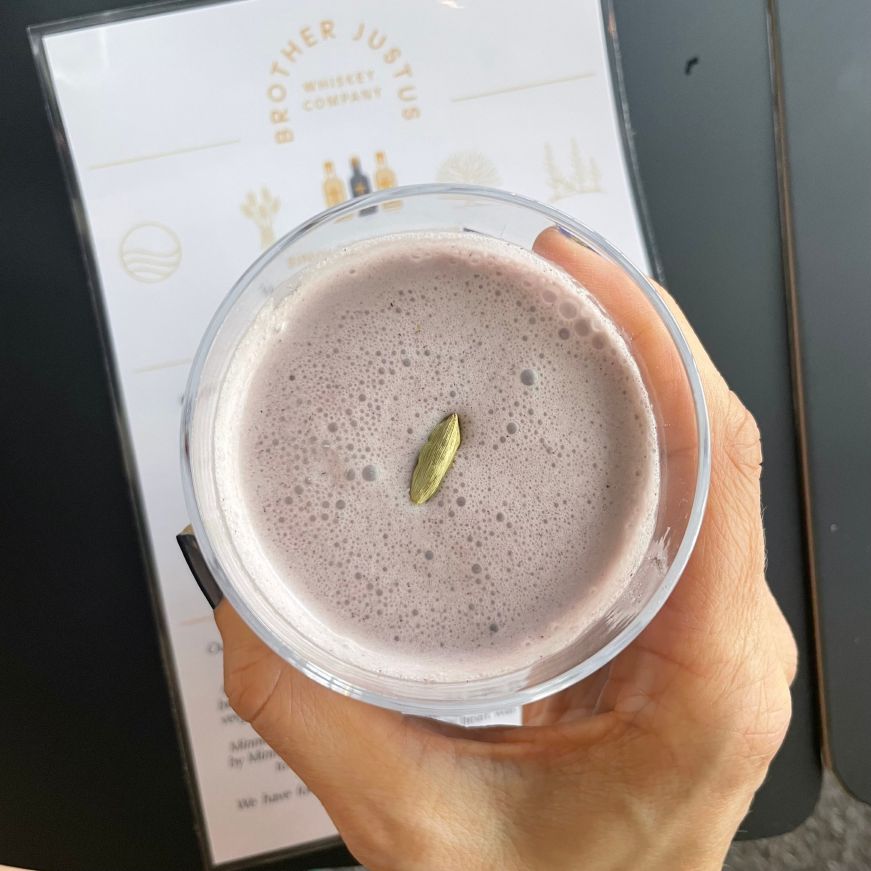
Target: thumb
334, 743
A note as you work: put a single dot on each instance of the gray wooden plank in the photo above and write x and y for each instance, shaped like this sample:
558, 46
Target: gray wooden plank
826, 51
698, 86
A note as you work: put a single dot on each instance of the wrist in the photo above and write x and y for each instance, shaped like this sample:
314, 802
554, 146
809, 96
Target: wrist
659, 832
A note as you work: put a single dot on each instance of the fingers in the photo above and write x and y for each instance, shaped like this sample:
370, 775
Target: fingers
719, 653
639, 321
329, 740
727, 566
617, 293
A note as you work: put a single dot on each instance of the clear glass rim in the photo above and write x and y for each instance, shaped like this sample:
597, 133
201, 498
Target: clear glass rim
508, 697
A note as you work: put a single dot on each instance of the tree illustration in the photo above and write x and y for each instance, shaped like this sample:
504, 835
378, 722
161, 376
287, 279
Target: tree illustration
595, 176
559, 185
578, 168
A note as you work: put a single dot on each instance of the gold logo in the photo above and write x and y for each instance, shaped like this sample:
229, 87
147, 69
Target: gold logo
333, 186
295, 89
359, 182
584, 178
385, 177
468, 167
261, 210
150, 252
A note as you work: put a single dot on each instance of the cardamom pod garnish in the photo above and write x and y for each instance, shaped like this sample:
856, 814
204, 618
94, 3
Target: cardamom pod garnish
434, 459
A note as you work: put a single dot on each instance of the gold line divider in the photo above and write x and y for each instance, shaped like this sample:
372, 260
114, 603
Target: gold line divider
575, 78
166, 364
161, 154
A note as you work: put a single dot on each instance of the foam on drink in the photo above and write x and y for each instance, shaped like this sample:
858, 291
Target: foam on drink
550, 505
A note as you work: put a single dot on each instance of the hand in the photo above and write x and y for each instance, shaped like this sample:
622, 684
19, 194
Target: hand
650, 763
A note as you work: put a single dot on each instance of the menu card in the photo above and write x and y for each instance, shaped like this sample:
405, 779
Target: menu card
197, 135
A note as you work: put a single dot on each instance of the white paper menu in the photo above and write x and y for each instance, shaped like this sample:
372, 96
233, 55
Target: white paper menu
199, 135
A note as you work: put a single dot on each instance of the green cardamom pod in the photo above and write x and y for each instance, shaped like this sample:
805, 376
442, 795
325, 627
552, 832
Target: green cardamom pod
434, 459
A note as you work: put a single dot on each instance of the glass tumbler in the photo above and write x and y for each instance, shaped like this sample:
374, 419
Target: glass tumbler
666, 366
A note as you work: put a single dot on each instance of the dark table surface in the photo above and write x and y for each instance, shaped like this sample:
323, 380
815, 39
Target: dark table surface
827, 91
92, 776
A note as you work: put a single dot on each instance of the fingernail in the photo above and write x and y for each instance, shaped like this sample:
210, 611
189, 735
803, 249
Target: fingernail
570, 235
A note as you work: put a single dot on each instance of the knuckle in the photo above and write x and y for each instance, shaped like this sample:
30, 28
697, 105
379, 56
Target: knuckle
791, 661
250, 688
759, 723
766, 740
750, 740
788, 650
742, 442
733, 545
243, 698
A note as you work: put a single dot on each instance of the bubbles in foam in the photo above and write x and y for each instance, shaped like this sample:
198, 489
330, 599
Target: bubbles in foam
528, 377
376, 592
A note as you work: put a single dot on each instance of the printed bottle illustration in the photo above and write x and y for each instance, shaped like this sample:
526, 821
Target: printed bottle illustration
385, 177
333, 186
360, 184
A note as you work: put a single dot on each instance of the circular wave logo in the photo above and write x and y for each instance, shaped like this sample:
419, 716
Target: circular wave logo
150, 252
